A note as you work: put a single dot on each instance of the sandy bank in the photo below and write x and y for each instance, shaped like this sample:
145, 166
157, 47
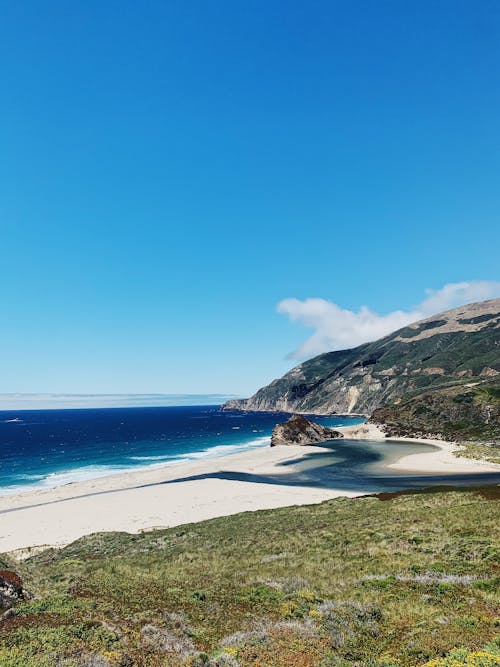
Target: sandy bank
443, 459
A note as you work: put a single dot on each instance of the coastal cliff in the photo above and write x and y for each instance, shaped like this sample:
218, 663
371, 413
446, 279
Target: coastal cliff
455, 348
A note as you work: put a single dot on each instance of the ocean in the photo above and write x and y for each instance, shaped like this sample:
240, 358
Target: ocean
47, 448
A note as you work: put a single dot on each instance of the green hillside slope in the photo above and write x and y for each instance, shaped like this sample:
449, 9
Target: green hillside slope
453, 348
347, 583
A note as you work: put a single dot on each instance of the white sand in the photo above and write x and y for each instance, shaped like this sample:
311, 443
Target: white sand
60, 515
140, 500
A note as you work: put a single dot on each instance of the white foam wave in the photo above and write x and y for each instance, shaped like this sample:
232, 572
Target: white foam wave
86, 473
62, 477
162, 457
207, 452
80, 474
28, 476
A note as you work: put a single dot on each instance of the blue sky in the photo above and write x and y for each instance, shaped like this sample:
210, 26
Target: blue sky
170, 172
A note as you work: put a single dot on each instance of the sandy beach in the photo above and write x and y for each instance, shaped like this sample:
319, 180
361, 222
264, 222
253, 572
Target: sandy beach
188, 492
443, 459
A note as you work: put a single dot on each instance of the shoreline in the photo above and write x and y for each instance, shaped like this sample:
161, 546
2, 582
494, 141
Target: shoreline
155, 498
260, 442
443, 460
89, 471
193, 491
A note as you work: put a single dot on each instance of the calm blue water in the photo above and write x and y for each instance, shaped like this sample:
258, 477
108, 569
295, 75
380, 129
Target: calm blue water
43, 448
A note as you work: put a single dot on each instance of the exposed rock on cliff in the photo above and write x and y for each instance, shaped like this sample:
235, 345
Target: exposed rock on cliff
300, 431
11, 589
450, 349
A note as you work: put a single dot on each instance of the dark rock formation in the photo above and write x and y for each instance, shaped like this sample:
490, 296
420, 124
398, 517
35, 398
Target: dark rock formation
300, 431
11, 589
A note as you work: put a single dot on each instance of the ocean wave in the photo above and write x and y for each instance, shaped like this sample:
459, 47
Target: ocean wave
161, 457
86, 473
82, 474
206, 452
21, 476
60, 478
224, 450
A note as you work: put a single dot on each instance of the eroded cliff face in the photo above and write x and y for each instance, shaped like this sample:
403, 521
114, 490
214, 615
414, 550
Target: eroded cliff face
453, 348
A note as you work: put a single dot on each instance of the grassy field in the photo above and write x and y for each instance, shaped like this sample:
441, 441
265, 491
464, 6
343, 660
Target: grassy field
482, 451
395, 580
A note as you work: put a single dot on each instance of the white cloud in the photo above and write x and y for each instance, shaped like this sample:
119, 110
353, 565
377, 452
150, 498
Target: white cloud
336, 328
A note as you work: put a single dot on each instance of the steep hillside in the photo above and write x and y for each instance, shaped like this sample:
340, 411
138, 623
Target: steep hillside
456, 347
456, 413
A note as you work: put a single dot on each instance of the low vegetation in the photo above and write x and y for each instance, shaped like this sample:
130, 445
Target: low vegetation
397, 580
467, 414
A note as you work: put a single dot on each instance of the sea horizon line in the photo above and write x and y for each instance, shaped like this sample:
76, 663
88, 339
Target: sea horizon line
60, 401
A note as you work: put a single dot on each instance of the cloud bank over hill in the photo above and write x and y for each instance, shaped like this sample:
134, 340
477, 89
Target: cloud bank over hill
335, 328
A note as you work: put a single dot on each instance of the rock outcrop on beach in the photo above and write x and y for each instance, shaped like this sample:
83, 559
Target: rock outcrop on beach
300, 431
458, 347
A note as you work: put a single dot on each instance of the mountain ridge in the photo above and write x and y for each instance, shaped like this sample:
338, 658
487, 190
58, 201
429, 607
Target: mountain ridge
450, 348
